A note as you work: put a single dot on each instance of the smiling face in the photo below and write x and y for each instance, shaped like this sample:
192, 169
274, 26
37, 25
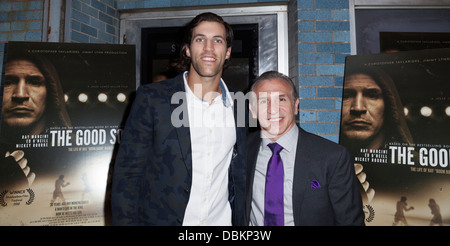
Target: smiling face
275, 107
208, 50
25, 94
362, 108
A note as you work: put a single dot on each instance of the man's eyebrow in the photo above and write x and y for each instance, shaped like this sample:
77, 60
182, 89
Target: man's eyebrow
35, 76
204, 35
365, 88
280, 94
277, 94
372, 89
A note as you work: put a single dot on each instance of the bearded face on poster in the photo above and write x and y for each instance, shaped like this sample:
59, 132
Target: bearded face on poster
372, 112
33, 101
372, 115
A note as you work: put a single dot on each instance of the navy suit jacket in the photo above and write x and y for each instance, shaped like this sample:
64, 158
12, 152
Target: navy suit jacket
153, 169
336, 202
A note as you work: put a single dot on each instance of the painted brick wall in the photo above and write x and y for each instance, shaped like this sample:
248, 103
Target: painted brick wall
19, 21
137, 4
94, 21
323, 44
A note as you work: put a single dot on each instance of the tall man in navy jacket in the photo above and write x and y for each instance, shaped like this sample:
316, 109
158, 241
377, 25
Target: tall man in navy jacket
318, 185
181, 160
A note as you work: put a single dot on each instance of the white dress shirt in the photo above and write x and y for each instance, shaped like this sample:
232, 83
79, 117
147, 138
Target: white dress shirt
289, 144
213, 136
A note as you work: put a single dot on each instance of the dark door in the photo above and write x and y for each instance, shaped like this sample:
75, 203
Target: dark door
161, 46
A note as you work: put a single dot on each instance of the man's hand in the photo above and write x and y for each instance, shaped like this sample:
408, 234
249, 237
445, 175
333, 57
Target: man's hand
19, 157
370, 192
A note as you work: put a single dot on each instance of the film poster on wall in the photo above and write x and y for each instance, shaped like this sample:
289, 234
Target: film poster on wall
395, 121
63, 111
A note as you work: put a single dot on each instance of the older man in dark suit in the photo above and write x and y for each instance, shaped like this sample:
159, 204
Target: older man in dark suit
182, 154
295, 177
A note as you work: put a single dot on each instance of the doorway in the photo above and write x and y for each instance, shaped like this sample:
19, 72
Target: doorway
260, 45
161, 48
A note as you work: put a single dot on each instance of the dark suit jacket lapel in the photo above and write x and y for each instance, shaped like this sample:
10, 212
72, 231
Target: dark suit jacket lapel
183, 132
239, 137
301, 170
253, 143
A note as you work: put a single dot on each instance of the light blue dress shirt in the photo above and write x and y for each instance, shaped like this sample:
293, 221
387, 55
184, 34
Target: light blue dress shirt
289, 144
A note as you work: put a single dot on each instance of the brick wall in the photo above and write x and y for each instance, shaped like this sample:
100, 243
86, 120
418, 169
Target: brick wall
19, 21
95, 21
323, 44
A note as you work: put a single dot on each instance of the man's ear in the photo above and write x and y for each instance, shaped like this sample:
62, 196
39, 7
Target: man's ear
228, 55
188, 51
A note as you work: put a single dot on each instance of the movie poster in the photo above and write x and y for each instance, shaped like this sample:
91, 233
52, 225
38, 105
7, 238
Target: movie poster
395, 121
64, 107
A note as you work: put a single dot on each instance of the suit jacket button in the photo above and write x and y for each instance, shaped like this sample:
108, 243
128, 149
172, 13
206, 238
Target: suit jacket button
179, 221
187, 190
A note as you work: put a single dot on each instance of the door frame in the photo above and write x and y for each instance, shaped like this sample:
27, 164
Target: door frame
273, 37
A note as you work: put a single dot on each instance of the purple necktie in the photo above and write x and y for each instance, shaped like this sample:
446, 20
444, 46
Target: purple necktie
274, 205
